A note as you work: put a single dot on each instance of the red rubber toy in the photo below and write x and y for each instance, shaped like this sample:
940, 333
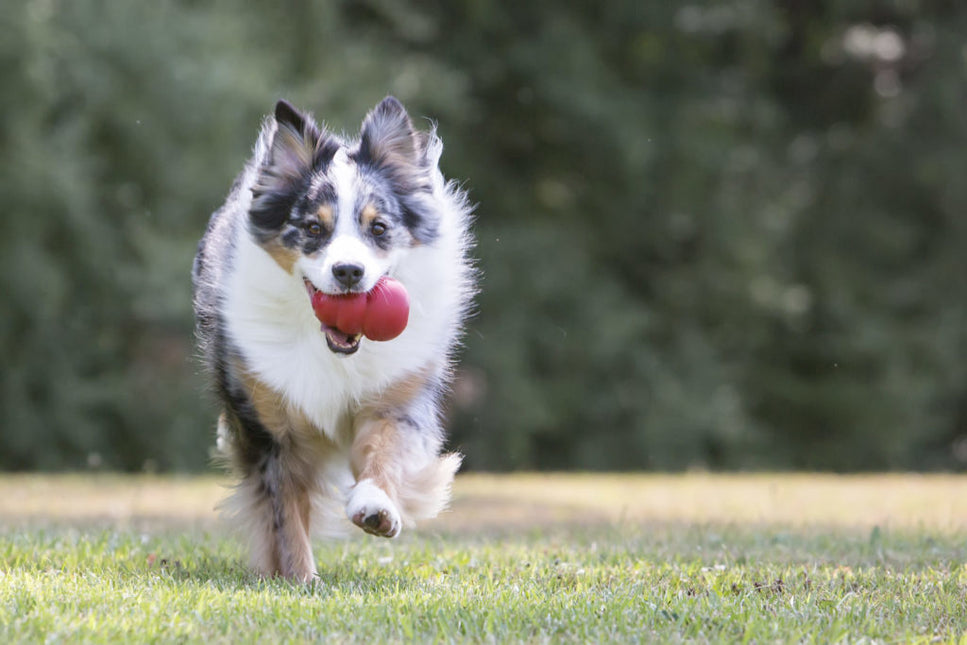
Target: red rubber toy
381, 314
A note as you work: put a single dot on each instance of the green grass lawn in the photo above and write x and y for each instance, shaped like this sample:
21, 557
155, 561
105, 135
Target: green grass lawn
743, 558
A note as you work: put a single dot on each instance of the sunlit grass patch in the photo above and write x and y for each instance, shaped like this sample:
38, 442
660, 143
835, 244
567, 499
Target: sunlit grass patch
551, 572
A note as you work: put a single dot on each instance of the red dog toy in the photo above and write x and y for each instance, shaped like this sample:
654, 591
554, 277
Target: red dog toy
380, 314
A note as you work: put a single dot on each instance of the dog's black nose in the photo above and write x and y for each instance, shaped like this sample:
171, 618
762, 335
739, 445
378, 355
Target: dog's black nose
348, 274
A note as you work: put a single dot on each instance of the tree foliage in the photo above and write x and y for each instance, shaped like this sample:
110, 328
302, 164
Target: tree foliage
719, 234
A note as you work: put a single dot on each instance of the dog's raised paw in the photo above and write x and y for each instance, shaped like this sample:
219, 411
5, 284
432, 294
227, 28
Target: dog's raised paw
371, 509
379, 523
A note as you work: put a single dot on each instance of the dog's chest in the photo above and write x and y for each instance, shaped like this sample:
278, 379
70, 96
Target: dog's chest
270, 321
285, 350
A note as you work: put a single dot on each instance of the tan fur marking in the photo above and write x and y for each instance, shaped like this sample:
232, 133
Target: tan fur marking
267, 403
377, 455
367, 216
279, 418
292, 537
285, 258
326, 217
305, 506
397, 395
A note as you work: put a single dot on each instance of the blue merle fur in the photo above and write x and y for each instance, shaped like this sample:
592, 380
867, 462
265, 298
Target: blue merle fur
394, 174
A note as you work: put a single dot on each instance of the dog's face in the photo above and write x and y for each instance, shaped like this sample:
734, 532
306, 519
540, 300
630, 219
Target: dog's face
338, 215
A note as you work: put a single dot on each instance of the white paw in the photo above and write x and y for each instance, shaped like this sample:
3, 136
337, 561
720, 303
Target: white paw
370, 509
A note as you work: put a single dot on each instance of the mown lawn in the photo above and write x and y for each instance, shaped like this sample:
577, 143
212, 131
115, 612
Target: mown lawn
533, 558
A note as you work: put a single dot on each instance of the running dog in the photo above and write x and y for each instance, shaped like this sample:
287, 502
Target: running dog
314, 419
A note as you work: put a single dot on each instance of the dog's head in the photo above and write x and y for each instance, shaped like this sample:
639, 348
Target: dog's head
339, 214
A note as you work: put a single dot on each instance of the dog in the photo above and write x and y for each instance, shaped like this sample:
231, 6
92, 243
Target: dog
314, 419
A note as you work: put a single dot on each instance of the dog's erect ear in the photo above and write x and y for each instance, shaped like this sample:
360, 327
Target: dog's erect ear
298, 148
391, 146
388, 137
299, 145
286, 113
290, 157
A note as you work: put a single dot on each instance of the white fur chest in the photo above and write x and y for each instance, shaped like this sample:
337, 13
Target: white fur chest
270, 321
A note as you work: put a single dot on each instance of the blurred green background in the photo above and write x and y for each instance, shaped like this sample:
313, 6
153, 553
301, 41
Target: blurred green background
724, 235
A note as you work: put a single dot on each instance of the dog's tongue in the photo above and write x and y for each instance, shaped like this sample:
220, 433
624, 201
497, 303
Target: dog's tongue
340, 340
381, 314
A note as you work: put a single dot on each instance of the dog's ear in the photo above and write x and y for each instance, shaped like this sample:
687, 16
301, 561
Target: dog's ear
286, 113
299, 145
389, 139
298, 148
388, 136
391, 146
290, 157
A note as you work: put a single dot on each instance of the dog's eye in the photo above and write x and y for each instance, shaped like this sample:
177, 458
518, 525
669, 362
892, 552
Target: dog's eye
377, 229
314, 229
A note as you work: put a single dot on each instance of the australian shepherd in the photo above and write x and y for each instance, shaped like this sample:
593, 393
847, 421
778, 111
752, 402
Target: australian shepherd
316, 420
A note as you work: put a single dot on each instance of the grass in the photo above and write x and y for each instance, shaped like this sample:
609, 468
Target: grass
532, 558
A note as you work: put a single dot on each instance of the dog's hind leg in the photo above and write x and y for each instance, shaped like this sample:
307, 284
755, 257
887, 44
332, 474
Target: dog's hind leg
272, 503
283, 538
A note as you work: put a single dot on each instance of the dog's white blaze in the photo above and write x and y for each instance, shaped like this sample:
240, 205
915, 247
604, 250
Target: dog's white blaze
343, 172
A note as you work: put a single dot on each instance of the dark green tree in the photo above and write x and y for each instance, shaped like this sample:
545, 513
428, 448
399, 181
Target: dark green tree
719, 234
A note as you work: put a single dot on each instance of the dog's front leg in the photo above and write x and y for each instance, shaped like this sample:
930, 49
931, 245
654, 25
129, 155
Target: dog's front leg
400, 475
376, 463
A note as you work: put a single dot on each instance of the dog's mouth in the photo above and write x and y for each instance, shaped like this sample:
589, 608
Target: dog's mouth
338, 341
